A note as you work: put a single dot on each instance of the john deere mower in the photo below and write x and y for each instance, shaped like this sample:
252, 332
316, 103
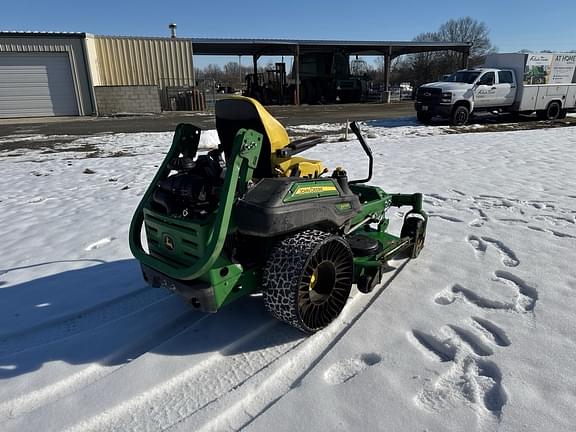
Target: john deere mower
251, 216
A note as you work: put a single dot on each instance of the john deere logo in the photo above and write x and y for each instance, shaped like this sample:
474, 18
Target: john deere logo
315, 189
168, 242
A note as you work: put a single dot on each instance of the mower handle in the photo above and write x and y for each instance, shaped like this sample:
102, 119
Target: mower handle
367, 150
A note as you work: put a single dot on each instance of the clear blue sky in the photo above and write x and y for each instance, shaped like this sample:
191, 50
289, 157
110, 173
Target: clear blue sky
533, 25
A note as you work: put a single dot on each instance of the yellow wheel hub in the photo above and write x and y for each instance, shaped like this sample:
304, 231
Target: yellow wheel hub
313, 280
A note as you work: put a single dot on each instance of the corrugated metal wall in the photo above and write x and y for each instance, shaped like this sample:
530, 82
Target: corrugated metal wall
142, 61
71, 44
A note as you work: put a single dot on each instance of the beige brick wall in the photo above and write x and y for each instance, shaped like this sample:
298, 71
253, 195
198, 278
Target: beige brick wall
127, 99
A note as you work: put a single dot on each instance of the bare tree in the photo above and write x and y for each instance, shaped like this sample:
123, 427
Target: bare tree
211, 72
467, 29
425, 67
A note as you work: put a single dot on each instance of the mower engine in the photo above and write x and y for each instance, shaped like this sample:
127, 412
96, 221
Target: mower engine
193, 191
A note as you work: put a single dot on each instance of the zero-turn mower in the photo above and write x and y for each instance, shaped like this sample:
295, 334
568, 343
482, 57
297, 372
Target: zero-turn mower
252, 216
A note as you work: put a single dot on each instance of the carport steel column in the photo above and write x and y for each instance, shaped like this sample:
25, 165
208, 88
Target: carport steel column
387, 65
297, 67
255, 58
465, 56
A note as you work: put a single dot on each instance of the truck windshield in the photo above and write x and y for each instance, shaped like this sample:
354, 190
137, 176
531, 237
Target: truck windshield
463, 76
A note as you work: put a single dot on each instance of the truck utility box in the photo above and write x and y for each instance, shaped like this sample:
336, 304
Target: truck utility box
544, 83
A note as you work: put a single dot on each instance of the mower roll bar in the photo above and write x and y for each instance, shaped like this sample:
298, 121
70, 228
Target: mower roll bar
245, 154
367, 150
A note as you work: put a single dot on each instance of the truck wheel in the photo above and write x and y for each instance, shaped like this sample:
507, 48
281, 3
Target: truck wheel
460, 116
307, 279
424, 117
552, 112
563, 114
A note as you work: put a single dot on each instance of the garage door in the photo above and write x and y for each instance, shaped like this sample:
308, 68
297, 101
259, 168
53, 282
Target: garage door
36, 85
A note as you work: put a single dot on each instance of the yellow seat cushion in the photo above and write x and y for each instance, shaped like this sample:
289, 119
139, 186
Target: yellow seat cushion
298, 167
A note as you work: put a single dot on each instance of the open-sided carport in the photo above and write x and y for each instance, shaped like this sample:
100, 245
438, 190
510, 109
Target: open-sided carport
276, 47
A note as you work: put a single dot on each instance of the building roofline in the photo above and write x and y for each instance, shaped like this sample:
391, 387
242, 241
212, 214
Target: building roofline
258, 47
15, 33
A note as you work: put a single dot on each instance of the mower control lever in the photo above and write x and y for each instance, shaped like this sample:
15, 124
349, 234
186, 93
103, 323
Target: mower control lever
367, 150
299, 146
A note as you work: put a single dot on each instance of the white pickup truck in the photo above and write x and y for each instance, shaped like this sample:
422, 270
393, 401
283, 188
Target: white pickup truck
516, 83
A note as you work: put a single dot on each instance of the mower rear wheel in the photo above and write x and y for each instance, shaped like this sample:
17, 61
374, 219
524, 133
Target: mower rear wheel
307, 279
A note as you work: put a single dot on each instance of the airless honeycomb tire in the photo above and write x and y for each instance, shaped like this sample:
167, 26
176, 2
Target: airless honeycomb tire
307, 279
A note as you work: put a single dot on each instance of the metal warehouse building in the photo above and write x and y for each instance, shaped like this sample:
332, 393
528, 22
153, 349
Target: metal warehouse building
129, 61
70, 74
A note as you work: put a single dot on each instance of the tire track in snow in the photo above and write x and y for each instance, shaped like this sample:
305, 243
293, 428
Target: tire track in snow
263, 391
198, 387
79, 321
220, 387
162, 330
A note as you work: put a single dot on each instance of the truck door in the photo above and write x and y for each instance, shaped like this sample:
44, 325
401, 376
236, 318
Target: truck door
505, 89
485, 91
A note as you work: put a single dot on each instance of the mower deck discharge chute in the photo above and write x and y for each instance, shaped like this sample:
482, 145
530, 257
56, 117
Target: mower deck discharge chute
252, 216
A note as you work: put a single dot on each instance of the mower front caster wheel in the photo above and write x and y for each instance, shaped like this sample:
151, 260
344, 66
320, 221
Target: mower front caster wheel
415, 228
307, 279
368, 280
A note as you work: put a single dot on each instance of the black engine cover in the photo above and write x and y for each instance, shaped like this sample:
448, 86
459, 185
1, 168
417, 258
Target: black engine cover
263, 213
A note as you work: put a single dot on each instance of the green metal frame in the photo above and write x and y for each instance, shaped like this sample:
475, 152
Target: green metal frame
196, 246
375, 203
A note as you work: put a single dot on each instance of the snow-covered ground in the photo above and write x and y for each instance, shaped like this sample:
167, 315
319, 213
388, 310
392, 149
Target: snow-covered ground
476, 334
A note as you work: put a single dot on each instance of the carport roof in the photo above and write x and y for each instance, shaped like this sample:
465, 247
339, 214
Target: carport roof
275, 47
288, 47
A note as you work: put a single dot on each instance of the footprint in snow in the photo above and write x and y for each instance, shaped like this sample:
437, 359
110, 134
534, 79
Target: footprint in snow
550, 231
524, 301
480, 245
480, 220
512, 221
444, 217
345, 370
491, 331
100, 243
471, 378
